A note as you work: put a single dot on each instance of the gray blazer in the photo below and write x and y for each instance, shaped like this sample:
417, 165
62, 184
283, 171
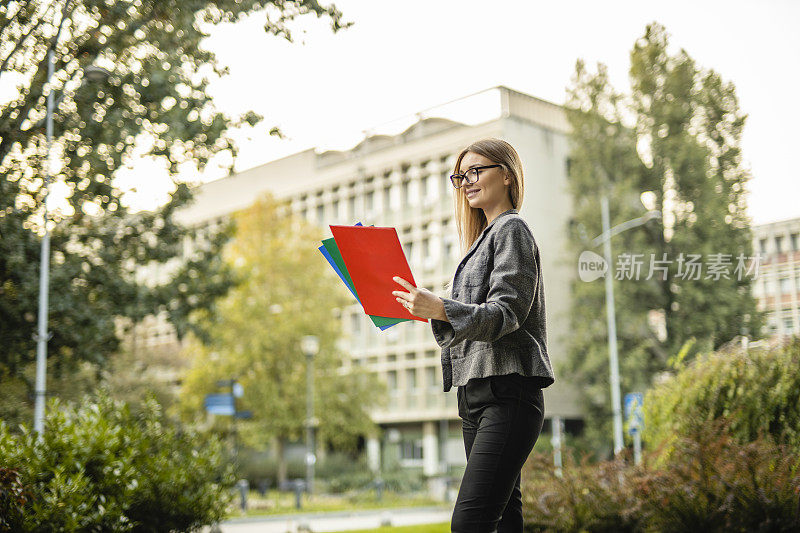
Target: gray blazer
496, 310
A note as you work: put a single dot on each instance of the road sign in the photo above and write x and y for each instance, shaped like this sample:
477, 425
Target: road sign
219, 404
633, 411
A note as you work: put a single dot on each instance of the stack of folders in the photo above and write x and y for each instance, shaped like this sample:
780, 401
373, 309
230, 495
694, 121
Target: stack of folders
366, 259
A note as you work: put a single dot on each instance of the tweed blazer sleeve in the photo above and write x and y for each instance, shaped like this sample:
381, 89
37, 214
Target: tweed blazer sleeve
512, 288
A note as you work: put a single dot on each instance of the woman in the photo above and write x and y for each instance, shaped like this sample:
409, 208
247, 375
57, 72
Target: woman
493, 336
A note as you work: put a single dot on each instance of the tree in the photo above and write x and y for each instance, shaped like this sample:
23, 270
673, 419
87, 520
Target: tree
288, 292
154, 97
675, 138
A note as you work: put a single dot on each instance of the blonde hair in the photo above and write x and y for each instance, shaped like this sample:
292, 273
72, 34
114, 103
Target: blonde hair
471, 221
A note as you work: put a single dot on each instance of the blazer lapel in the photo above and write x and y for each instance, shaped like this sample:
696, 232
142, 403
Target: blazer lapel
480, 238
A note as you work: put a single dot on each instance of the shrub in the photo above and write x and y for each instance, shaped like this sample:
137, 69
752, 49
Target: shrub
588, 497
98, 467
713, 482
758, 391
723, 454
12, 500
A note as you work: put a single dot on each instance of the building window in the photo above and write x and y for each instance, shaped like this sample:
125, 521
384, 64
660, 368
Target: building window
430, 373
793, 237
411, 379
779, 244
763, 244
413, 193
387, 197
370, 199
411, 449
320, 213
786, 285
409, 251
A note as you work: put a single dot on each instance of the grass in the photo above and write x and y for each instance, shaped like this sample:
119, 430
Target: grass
444, 527
277, 503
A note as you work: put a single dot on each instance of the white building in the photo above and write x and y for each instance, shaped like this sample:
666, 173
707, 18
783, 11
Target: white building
777, 286
402, 180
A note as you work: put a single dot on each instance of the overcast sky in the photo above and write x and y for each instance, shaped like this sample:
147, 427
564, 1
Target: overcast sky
401, 57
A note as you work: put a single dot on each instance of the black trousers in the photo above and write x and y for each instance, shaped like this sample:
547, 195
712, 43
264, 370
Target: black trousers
501, 418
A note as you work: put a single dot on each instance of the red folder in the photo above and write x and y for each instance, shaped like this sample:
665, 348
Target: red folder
373, 256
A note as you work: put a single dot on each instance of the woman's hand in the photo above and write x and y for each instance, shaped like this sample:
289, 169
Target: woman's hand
420, 302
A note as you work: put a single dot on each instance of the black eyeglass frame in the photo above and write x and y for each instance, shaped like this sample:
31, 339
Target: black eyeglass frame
463, 176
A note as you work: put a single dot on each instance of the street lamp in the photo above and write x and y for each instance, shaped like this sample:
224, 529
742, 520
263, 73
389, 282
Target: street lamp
611, 320
310, 346
91, 73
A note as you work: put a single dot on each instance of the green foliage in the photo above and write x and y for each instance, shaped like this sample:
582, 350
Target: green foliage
722, 455
257, 466
596, 497
712, 483
675, 137
425, 528
13, 497
757, 389
153, 105
288, 285
98, 467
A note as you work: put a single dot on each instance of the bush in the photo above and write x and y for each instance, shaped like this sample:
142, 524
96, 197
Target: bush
713, 483
403, 480
757, 391
98, 467
12, 500
588, 497
722, 455
258, 467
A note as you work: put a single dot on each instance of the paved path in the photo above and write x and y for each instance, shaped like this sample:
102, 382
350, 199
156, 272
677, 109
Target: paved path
338, 521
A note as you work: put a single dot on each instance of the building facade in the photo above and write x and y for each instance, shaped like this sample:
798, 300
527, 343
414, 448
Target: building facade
402, 180
777, 286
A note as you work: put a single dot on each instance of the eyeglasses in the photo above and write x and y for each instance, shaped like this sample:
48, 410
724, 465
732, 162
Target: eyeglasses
471, 175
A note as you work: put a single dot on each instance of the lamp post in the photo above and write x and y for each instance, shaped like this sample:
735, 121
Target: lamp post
91, 73
611, 320
310, 346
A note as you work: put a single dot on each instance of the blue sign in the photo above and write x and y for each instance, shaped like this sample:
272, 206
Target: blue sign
633, 411
219, 404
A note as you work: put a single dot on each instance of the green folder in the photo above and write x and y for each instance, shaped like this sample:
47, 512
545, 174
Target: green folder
333, 250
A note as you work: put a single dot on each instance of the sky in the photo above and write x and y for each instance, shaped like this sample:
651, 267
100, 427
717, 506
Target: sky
325, 89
